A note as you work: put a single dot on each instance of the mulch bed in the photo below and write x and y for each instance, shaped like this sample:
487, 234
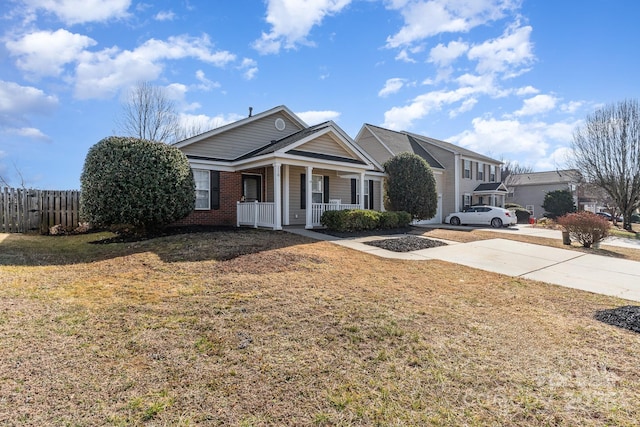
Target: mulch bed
406, 244
127, 237
625, 317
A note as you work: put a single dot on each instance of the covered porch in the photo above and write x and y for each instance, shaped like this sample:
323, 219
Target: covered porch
490, 193
280, 194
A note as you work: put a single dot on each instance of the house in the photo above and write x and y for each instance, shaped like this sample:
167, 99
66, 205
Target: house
529, 189
463, 177
272, 170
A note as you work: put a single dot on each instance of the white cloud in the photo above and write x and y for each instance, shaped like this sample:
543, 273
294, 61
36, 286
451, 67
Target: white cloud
165, 15
571, 106
505, 54
391, 86
17, 103
102, 73
423, 19
249, 68
205, 84
537, 105
200, 123
315, 117
45, 53
467, 105
292, 20
527, 90
444, 55
16, 100
81, 11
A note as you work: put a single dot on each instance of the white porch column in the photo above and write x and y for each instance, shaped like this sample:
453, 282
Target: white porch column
277, 197
309, 194
285, 195
382, 195
362, 190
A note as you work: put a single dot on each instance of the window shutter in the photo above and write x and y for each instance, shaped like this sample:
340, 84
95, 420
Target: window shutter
325, 188
303, 191
370, 194
353, 191
215, 189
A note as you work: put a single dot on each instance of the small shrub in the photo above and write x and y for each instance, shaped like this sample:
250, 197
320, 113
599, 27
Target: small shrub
362, 219
558, 203
388, 219
334, 220
404, 219
585, 227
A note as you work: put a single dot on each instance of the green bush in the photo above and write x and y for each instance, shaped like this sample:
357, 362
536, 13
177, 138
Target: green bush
388, 219
135, 183
362, 219
558, 203
585, 227
411, 186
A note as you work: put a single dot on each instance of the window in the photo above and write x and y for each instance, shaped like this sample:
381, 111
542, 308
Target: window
317, 189
466, 201
480, 171
492, 173
367, 186
203, 189
467, 169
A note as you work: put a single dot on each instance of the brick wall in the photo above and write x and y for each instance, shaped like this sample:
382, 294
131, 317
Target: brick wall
230, 193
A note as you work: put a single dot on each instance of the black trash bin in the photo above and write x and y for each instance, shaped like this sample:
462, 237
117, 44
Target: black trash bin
566, 239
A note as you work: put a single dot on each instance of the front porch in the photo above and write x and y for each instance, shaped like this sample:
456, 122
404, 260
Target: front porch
280, 195
263, 214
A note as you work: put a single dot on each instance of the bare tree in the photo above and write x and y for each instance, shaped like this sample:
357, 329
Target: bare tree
607, 152
510, 171
148, 113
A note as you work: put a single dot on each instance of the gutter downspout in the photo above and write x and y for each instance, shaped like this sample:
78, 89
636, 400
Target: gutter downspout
456, 181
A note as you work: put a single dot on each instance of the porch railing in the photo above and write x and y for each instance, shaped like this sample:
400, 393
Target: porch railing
262, 214
317, 209
256, 214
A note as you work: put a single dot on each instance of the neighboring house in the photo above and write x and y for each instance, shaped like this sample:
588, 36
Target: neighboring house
463, 177
272, 170
529, 189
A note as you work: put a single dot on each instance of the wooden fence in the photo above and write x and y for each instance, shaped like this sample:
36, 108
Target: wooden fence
26, 210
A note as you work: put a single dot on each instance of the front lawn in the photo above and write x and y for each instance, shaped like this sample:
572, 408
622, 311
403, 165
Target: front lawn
259, 328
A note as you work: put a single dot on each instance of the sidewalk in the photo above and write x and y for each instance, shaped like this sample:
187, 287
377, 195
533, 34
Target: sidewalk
592, 273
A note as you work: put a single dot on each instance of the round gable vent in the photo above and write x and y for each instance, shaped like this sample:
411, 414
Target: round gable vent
280, 124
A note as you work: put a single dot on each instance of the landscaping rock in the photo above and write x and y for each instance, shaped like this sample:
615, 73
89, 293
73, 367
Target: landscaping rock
626, 317
406, 244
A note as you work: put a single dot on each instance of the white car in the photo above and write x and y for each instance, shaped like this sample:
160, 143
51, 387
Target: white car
485, 215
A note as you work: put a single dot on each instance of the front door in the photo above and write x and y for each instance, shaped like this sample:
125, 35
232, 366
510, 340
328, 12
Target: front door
252, 188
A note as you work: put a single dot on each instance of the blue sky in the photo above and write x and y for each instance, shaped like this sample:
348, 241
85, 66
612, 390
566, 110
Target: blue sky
510, 79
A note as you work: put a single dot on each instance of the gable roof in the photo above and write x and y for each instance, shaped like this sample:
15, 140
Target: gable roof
243, 122
455, 149
491, 187
400, 142
545, 178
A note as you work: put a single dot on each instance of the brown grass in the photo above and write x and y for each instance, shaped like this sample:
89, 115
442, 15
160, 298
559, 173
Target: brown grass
260, 328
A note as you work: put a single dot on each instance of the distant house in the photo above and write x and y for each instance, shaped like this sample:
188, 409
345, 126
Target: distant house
463, 177
529, 189
272, 170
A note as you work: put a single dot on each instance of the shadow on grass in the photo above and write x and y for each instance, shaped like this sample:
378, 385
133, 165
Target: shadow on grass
186, 245
625, 317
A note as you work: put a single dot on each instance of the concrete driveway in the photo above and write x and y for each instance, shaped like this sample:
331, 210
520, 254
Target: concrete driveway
563, 267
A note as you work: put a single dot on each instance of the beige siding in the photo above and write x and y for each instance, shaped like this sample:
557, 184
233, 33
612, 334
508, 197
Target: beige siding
241, 140
326, 145
447, 179
372, 146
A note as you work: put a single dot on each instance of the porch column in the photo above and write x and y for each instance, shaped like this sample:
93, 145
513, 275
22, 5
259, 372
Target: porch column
309, 201
382, 195
285, 195
362, 190
277, 197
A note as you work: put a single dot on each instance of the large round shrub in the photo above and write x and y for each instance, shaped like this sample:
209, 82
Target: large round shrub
411, 186
135, 182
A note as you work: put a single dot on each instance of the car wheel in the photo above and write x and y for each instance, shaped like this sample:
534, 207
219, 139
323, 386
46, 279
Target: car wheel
454, 221
496, 223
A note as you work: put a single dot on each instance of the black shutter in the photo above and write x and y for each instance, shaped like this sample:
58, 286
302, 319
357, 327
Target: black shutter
370, 194
215, 189
326, 189
353, 191
303, 191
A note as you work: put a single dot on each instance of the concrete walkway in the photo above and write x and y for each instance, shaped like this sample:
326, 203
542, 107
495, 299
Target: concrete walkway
573, 269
